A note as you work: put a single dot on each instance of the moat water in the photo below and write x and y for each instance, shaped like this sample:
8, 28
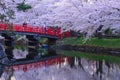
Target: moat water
79, 68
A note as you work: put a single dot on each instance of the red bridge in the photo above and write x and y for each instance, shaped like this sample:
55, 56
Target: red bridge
32, 34
48, 32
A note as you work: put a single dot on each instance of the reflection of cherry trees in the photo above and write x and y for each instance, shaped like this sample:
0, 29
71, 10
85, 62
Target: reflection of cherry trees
98, 70
8, 73
82, 15
83, 69
101, 70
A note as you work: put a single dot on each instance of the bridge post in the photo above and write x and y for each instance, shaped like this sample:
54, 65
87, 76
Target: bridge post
51, 41
9, 45
33, 46
51, 48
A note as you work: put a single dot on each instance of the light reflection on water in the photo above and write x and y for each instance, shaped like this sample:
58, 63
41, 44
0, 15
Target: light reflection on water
77, 69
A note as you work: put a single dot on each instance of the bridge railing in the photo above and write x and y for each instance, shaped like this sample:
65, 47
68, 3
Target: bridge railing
39, 30
30, 29
3, 26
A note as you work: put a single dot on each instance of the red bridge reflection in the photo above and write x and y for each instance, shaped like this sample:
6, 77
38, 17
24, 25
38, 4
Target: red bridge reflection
47, 62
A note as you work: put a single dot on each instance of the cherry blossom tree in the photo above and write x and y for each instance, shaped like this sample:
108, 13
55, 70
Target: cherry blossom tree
79, 15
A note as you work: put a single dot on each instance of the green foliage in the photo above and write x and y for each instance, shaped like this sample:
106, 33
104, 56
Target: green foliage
110, 43
23, 48
22, 6
91, 56
16, 47
42, 51
42, 40
2, 17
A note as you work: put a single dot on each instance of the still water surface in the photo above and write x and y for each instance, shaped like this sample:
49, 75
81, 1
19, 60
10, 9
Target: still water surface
79, 68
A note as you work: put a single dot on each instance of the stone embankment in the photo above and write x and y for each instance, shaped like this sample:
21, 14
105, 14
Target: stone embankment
92, 49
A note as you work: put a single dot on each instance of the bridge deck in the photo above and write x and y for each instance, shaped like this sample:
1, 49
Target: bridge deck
30, 30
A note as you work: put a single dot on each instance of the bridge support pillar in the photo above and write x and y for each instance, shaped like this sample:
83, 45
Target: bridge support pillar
51, 41
33, 46
9, 45
51, 48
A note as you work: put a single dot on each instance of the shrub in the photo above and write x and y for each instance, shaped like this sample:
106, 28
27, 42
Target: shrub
22, 6
2, 16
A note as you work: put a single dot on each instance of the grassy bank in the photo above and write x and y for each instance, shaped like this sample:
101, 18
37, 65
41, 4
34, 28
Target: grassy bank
109, 43
92, 56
